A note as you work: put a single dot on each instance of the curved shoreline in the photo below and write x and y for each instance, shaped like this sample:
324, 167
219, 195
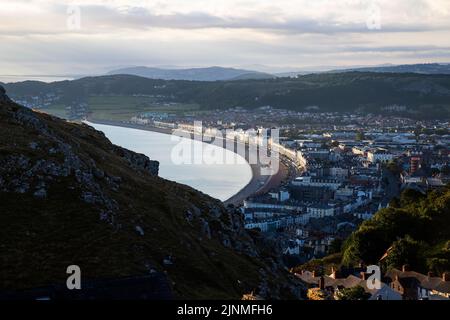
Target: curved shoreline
257, 184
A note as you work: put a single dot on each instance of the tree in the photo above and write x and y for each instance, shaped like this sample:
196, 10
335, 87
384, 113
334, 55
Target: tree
334, 144
415, 228
405, 251
446, 170
354, 293
435, 171
360, 136
335, 246
394, 167
410, 196
318, 294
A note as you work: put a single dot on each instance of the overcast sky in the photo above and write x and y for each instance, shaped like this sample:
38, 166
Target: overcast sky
91, 36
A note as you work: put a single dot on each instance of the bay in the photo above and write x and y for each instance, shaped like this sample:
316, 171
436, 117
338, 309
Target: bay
205, 172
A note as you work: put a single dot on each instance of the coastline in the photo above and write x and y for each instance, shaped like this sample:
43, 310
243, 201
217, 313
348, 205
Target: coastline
258, 183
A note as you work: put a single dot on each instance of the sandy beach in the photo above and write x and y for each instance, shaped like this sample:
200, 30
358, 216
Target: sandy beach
258, 184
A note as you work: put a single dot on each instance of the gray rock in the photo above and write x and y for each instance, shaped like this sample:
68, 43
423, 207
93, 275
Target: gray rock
40, 193
88, 197
168, 261
226, 242
116, 179
22, 187
138, 161
206, 230
139, 230
215, 212
99, 174
3, 97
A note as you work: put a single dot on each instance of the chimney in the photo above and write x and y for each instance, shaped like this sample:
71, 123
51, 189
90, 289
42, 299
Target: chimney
314, 273
333, 273
405, 267
322, 283
363, 275
446, 276
430, 274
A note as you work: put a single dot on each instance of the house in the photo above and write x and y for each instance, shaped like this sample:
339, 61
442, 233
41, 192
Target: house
292, 249
427, 287
408, 287
379, 155
333, 284
333, 184
319, 210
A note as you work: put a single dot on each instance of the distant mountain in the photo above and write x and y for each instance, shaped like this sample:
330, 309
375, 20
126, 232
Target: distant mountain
425, 68
68, 196
193, 74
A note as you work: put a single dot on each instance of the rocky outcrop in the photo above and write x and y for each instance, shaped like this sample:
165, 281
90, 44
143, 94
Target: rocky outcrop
3, 97
138, 161
21, 173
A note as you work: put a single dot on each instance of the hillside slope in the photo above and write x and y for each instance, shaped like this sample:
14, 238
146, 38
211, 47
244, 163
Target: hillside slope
68, 196
413, 230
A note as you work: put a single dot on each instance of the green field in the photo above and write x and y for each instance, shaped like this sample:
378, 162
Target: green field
118, 108
125, 107
57, 110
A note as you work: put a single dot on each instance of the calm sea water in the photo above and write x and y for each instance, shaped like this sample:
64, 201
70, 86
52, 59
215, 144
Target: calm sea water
14, 78
202, 169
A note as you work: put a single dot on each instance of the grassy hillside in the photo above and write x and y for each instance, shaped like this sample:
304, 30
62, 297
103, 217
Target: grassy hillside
423, 95
414, 230
69, 196
125, 107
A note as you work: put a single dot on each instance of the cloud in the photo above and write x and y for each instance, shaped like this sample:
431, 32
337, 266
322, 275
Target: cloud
327, 17
34, 33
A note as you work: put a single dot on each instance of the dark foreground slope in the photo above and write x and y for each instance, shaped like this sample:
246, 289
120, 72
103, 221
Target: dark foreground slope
70, 197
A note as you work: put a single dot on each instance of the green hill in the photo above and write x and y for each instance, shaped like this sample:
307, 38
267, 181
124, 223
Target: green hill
414, 230
423, 95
